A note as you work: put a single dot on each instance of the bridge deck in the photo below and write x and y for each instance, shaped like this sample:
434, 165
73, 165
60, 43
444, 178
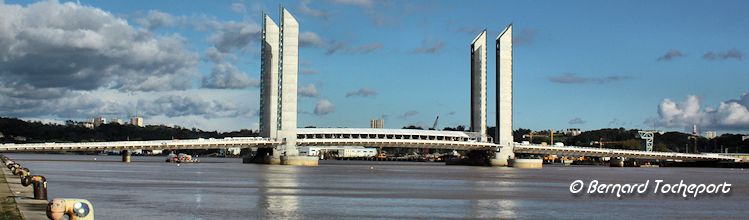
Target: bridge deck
360, 137
144, 145
605, 152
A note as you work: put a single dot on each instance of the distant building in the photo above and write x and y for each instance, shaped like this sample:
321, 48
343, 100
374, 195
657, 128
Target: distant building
137, 121
98, 121
377, 123
573, 131
116, 121
1, 135
340, 151
88, 124
711, 134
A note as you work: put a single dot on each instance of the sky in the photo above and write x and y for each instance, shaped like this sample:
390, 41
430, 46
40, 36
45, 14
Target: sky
666, 65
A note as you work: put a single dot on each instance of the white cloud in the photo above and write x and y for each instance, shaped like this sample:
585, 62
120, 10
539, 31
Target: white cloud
156, 19
310, 90
228, 76
576, 121
224, 75
309, 39
66, 61
408, 114
724, 55
324, 107
236, 107
232, 35
360, 3
572, 78
363, 92
68, 46
304, 8
238, 7
729, 115
670, 55
430, 47
366, 48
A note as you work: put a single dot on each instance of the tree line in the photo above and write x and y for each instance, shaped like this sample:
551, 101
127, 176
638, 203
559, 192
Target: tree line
15, 130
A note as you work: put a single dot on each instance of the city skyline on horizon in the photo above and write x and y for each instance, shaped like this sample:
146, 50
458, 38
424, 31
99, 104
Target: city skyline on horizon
198, 70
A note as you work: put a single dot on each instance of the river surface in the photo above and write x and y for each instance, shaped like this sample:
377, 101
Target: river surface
224, 188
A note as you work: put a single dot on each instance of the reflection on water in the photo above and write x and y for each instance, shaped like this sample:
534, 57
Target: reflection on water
494, 208
279, 192
222, 188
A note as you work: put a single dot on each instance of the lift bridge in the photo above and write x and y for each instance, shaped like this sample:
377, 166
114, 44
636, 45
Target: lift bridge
402, 138
278, 113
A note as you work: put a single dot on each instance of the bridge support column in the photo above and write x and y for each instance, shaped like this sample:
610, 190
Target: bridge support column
125, 156
263, 156
502, 157
299, 160
274, 156
617, 161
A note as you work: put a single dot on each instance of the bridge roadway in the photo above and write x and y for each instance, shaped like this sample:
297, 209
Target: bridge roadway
360, 137
144, 145
607, 152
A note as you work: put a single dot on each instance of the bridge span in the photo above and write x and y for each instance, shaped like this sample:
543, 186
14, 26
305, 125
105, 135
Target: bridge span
369, 137
210, 143
408, 138
606, 152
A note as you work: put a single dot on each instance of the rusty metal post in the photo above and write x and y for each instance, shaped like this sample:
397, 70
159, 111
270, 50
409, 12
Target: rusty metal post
40, 187
75, 209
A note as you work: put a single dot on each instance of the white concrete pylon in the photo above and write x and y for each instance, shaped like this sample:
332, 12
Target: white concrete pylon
504, 88
269, 61
478, 85
288, 68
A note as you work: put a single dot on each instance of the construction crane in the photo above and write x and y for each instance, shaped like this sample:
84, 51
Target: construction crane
649, 137
436, 120
550, 135
600, 142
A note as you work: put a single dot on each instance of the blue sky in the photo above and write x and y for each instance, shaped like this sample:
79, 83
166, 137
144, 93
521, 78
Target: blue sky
586, 64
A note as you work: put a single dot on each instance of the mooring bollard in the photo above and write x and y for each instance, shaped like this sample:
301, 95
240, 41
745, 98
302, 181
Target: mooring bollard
39, 182
40, 187
75, 209
21, 171
26, 181
13, 165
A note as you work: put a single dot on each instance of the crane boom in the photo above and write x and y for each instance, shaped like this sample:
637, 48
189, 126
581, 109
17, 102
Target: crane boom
436, 120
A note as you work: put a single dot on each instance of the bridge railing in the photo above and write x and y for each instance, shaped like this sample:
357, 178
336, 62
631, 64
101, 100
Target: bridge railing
563, 149
152, 144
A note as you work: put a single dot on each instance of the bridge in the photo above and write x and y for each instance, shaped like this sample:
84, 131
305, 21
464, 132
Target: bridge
280, 138
606, 152
402, 138
405, 138
211, 143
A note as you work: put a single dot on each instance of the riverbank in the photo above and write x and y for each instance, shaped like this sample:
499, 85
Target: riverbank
8, 209
18, 201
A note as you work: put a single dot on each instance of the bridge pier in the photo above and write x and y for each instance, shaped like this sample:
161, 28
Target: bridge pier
263, 156
617, 161
125, 156
502, 157
272, 157
299, 160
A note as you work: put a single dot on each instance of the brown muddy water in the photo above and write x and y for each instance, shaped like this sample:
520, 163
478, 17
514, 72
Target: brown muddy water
224, 188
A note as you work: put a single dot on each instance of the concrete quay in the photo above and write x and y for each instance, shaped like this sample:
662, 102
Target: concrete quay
19, 202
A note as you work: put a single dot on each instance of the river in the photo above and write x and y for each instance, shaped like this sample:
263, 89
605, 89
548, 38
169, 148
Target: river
224, 188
